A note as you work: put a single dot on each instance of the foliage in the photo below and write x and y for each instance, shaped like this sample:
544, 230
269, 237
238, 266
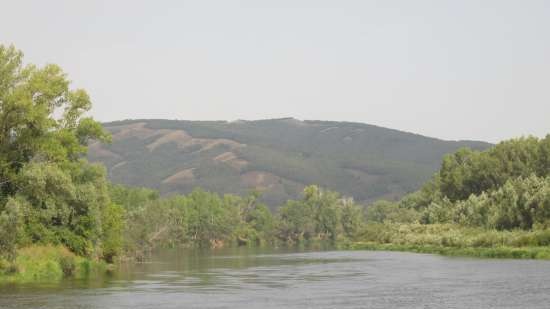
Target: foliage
131, 197
47, 263
542, 253
506, 187
48, 193
469, 172
30, 98
452, 239
10, 229
453, 235
386, 211
498, 200
320, 215
113, 223
201, 218
519, 203
206, 219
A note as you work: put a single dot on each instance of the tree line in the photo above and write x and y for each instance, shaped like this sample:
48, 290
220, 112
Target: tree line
206, 219
506, 187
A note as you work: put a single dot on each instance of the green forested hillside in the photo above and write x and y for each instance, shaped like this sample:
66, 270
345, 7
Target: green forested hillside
278, 157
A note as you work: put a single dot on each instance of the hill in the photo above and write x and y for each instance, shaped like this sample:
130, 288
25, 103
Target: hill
276, 156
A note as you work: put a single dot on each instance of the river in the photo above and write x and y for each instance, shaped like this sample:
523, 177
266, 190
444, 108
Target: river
268, 278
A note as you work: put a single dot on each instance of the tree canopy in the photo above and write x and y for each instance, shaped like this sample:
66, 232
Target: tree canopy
44, 181
505, 187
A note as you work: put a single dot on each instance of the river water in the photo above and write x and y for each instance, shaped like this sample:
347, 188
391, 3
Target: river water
261, 278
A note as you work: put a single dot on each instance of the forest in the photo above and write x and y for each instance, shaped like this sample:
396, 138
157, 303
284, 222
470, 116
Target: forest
60, 216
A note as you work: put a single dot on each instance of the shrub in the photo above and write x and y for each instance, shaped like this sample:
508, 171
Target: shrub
542, 238
68, 265
10, 229
85, 268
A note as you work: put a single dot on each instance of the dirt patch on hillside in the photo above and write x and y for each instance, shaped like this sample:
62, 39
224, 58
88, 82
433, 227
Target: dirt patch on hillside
231, 159
179, 137
184, 140
119, 164
238, 163
211, 143
166, 136
226, 156
184, 176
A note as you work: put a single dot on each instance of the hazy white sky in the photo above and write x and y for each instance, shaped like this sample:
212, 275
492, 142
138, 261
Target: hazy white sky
448, 69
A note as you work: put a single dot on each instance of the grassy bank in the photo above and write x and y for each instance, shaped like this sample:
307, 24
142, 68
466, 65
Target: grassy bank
453, 240
542, 253
48, 264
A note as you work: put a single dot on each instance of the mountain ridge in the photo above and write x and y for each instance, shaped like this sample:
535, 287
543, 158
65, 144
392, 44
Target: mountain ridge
275, 156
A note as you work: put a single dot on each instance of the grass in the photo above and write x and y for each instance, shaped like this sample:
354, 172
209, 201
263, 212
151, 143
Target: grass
453, 240
48, 263
542, 253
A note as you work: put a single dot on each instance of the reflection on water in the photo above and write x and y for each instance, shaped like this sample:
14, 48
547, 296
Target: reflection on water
267, 278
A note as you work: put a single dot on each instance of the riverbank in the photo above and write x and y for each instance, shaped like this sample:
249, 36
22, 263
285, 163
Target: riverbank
49, 263
454, 240
539, 253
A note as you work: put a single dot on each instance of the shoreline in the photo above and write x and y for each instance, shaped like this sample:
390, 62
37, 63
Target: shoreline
498, 252
39, 264
46, 264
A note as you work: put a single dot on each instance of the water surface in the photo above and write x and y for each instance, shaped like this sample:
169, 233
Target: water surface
260, 278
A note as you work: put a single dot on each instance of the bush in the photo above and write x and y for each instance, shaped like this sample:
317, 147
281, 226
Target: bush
85, 268
452, 235
10, 229
7, 267
47, 264
542, 238
385, 211
68, 265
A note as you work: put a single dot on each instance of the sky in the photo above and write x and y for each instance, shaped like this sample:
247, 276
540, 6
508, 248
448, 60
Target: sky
455, 70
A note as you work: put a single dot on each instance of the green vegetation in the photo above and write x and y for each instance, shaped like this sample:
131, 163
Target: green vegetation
451, 239
48, 263
494, 203
496, 252
49, 195
321, 215
204, 219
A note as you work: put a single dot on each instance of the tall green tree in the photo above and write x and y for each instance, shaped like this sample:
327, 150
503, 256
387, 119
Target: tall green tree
59, 197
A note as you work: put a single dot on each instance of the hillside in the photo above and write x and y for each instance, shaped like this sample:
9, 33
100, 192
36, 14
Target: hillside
277, 156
